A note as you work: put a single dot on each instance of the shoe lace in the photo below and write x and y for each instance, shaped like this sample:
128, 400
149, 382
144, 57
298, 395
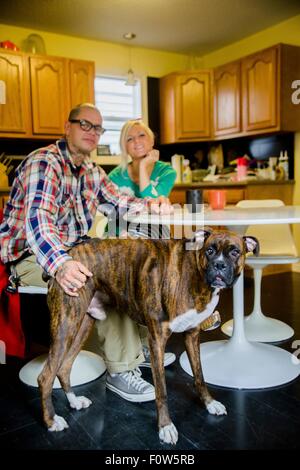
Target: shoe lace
134, 378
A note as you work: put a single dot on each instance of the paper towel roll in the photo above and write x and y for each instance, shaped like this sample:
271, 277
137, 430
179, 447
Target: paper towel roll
177, 165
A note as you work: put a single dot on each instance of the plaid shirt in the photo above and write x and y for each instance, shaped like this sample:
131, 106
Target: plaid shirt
52, 205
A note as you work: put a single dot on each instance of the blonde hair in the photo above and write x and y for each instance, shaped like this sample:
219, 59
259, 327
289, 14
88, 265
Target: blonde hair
123, 138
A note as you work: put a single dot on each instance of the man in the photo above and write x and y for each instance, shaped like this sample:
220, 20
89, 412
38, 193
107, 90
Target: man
53, 201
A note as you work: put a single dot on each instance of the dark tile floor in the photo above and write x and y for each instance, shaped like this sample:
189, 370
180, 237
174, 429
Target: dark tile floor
259, 419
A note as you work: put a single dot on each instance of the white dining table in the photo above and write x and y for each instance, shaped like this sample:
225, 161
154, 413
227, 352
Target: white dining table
237, 362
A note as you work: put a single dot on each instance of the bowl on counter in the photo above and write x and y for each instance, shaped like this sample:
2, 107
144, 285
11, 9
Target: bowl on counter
198, 175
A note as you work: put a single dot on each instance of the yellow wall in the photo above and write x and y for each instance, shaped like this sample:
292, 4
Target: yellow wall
110, 59
286, 32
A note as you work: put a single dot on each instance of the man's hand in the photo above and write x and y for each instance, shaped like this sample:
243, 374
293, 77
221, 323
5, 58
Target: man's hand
160, 205
71, 276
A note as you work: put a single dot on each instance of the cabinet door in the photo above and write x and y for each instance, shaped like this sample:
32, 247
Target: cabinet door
15, 115
82, 77
192, 106
227, 93
50, 94
260, 90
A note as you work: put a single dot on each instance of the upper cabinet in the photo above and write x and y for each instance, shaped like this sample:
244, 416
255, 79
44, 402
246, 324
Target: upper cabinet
254, 94
49, 82
260, 81
185, 106
40, 90
82, 76
227, 99
15, 112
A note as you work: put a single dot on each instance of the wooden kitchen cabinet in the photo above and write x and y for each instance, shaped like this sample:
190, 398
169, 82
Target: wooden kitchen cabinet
254, 95
15, 113
227, 99
49, 94
260, 88
185, 106
233, 194
82, 77
267, 78
40, 91
236, 192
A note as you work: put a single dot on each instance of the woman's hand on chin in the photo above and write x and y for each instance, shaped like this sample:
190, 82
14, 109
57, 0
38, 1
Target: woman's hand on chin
151, 157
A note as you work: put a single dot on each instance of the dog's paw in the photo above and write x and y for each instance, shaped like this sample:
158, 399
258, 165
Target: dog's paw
168, 434
59, 424
78, 403
216, 408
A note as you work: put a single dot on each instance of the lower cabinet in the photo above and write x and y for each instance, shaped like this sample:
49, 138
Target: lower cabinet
237, 193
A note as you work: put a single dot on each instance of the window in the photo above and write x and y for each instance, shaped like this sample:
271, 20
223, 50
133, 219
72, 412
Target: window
117, 103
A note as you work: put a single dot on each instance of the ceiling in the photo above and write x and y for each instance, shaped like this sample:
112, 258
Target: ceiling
185, 26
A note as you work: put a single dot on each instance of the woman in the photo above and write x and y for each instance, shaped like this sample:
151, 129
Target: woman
141, 173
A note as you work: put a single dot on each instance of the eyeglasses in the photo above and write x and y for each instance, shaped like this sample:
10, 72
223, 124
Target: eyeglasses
87, 126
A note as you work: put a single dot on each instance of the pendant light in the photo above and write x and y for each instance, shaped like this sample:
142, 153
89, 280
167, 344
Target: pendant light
131, 80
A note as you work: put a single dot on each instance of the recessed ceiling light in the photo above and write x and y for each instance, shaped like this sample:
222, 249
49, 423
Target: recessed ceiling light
129, 36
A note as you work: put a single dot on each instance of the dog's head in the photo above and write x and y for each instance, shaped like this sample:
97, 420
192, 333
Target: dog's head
222, 255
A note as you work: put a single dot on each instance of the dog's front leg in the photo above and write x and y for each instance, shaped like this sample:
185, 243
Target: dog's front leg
192, 344
158, 336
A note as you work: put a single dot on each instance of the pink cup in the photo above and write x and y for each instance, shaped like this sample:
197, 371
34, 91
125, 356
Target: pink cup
217, 198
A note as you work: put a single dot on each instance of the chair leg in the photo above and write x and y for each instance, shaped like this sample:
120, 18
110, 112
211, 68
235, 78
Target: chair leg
259, 327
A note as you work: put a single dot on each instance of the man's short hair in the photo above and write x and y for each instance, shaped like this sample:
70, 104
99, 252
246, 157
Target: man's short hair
76, 110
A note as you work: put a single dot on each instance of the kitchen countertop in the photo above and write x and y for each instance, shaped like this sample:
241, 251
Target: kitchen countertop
204, 184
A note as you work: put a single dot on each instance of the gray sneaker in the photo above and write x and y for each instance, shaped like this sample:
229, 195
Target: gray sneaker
131, 386
169, 358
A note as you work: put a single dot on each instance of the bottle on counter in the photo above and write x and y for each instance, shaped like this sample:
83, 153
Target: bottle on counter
176, 161
284, 163
187, 172
272, 168
242, 165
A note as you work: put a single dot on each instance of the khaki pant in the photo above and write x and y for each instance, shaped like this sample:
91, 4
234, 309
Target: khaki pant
117, 339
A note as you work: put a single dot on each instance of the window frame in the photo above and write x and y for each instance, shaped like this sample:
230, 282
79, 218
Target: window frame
118, 120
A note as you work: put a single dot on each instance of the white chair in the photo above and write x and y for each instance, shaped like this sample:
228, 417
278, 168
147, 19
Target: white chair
276, 247
87, 366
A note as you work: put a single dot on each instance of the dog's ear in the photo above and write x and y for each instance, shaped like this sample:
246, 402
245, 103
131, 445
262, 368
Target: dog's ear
199, 238
202, 234
252, 244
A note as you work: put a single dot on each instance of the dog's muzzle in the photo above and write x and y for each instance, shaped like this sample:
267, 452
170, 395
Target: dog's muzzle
221, 273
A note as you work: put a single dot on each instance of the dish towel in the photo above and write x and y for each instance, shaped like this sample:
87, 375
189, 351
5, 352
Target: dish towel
11, 332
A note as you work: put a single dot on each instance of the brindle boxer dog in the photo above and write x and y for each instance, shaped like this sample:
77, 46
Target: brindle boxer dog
168, 286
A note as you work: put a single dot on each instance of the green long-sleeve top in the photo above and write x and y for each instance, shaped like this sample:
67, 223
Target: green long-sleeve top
162, 180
